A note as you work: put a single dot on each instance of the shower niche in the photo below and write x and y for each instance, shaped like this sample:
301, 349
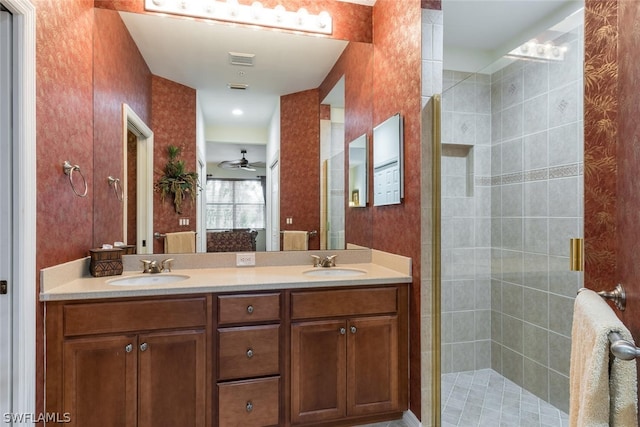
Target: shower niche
457, 169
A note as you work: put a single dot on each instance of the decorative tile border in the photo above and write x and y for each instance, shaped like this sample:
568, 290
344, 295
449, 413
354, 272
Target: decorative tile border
564, 171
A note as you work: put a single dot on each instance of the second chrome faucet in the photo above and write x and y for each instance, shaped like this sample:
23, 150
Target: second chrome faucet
327, 261
153, 267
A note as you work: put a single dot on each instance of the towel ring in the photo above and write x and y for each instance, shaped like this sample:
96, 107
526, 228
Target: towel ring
117, 187
68, 169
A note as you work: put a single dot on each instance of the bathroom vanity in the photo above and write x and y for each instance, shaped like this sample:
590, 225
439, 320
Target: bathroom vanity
276, 346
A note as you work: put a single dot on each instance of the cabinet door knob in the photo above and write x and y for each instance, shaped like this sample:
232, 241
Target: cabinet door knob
343, 331
249, 406
353, 330
250, 309
144, 346
250, 353
128, 348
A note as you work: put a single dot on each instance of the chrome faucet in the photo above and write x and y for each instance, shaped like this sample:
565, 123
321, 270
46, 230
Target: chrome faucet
152, 266
327, 261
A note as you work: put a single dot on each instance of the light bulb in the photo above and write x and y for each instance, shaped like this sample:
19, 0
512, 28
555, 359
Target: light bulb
302, 15
324, 19
279, 11
256, 10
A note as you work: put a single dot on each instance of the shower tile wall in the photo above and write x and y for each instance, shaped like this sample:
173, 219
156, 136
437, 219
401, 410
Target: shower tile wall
506, 238
466, 222
537, 206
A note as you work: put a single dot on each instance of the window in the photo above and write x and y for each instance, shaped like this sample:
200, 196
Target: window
235, 204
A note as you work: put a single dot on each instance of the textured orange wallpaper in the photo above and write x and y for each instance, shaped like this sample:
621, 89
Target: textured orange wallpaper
64, 131
356, 65
628, 162
396, 89
173, 120
300, 162
120, 76
600, 136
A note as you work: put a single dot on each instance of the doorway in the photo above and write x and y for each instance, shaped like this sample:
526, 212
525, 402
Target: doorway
138, 182
6, 194
18, 216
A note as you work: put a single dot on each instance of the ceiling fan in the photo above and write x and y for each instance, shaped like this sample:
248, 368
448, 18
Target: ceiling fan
242, 163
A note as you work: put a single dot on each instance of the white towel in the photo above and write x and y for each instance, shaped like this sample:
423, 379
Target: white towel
603, 388
183, 242
295, 241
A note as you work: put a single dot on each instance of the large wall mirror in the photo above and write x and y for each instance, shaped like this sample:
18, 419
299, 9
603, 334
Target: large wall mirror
388, 162
358, 171
239, 75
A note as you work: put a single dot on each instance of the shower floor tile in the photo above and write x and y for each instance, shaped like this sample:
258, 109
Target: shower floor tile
485, 398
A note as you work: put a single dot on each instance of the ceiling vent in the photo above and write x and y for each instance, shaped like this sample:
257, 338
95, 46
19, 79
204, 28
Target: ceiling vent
244, 59
238, 86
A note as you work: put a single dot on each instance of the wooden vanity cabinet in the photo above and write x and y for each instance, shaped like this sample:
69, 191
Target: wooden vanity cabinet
248, 343
129, 363
348, 354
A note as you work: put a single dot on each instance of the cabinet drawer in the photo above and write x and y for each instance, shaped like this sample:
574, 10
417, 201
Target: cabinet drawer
248, 352
252, 403
344, 302
112, 317
248, 308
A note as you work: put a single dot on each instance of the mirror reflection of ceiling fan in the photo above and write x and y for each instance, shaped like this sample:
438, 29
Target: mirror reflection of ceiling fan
242, 164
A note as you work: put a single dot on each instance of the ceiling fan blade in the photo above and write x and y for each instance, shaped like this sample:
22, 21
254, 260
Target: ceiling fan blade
230, 164
257, 164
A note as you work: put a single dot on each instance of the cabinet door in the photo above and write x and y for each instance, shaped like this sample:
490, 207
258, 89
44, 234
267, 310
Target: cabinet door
100, 381
372, 368
318, 377
172, 378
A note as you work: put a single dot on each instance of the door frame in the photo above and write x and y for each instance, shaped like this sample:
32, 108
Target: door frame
144, 179
23, 291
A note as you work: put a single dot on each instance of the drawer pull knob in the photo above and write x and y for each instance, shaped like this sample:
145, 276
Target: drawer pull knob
250, 353
250, 309
128, 348
249, 406
343, 331
144, 346
353, 329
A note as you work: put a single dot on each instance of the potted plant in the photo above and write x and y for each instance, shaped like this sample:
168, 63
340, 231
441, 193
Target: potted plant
176, 181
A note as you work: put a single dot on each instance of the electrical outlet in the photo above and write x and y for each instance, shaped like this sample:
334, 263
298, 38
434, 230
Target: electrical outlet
247, 259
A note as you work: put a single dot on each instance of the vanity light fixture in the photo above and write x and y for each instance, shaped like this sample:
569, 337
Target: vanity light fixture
254, 14
539, 51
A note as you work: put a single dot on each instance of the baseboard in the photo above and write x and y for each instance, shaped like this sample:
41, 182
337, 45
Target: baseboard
411, 420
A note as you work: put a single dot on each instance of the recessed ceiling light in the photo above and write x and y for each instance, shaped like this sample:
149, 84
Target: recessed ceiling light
237, 112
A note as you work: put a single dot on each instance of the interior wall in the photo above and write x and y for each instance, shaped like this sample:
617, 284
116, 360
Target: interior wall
173, 120
356, 65
537, 206
120, 76
397, 89
466, 222
64, 131
299, 162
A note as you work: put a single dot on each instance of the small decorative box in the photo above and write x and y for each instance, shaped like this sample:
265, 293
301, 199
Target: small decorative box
105, 262
128, 249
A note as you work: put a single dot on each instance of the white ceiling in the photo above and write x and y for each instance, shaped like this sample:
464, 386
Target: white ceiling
195, 53
478, 32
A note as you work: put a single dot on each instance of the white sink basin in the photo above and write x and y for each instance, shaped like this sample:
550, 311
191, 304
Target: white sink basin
148, 279
333, 271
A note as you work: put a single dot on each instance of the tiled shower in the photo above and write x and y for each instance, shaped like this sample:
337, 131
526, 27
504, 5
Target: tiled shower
512, 190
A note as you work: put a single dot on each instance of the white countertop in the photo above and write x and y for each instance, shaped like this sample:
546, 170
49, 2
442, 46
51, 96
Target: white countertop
224, 279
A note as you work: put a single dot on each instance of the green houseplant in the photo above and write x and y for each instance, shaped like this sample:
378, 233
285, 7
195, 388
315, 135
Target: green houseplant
176, 181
